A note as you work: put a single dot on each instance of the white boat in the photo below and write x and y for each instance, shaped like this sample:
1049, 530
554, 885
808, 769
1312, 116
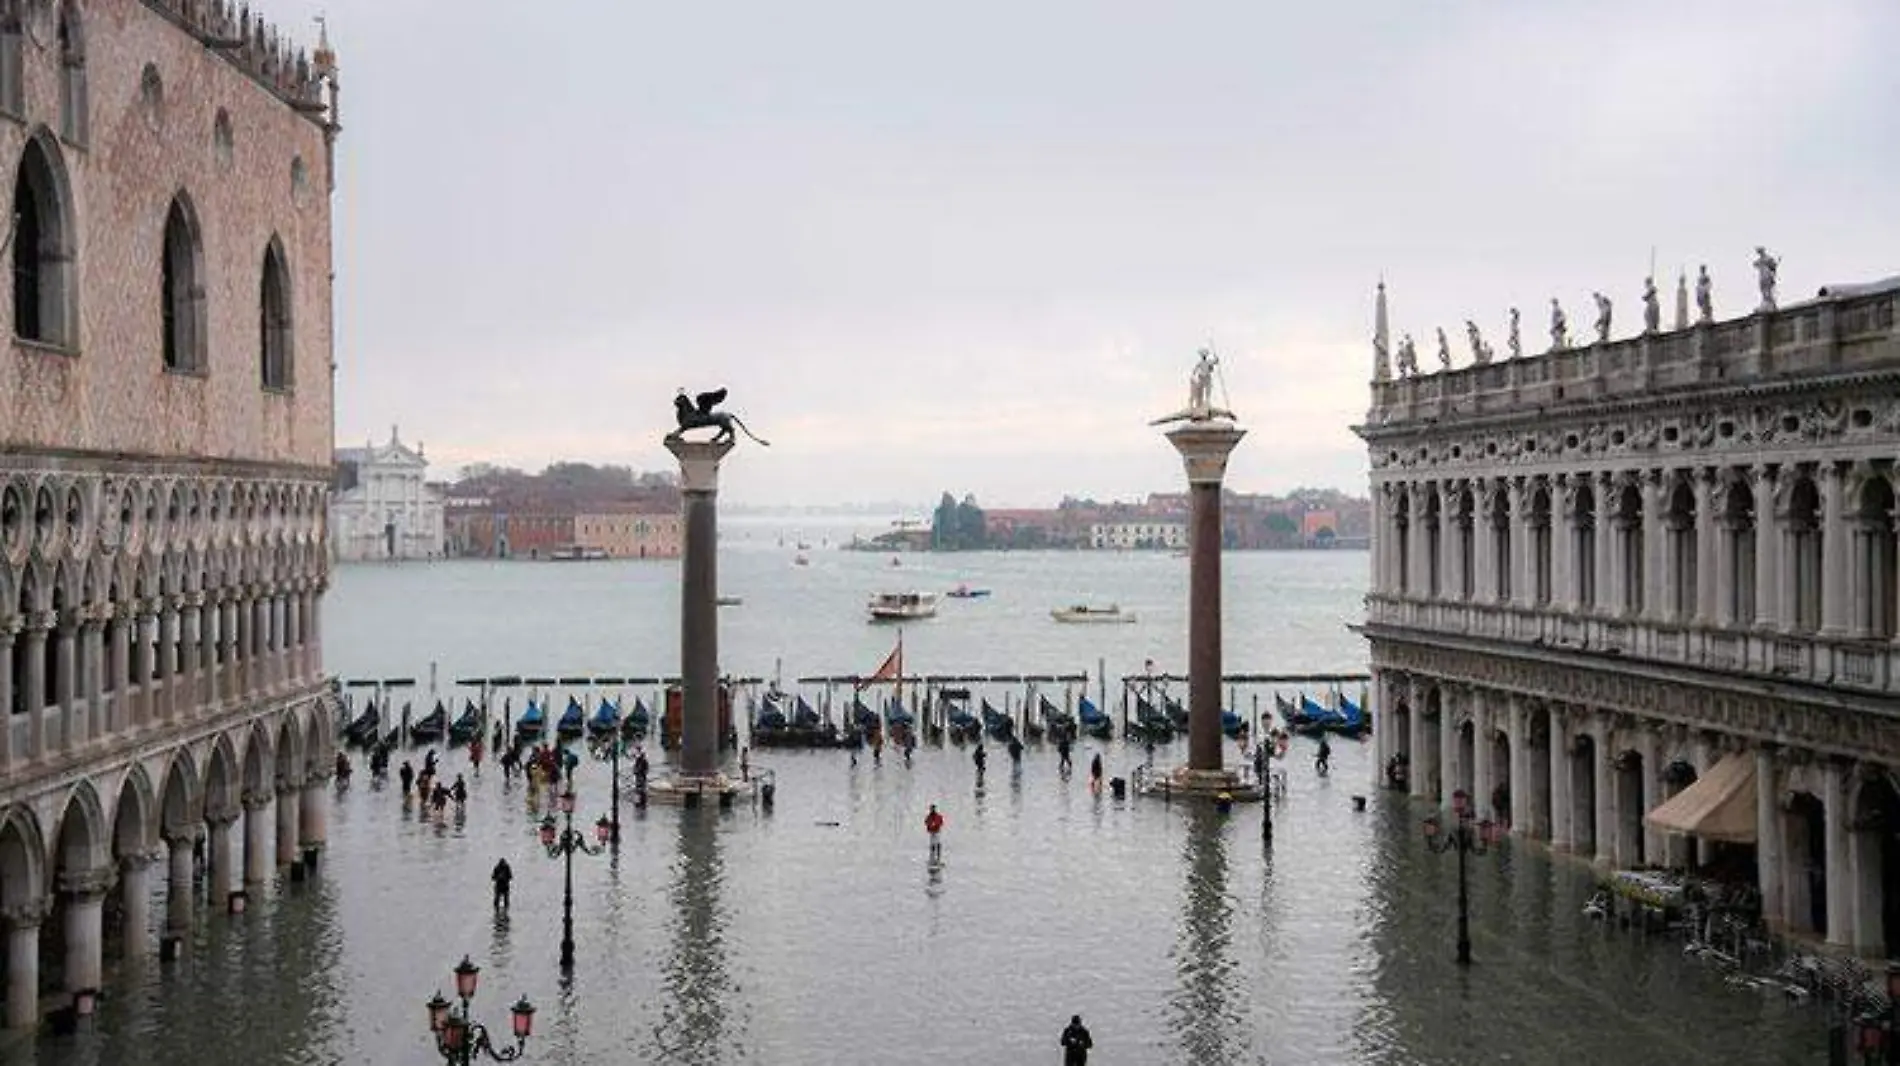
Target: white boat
800, 560
1085, 613
729, 601
902, 606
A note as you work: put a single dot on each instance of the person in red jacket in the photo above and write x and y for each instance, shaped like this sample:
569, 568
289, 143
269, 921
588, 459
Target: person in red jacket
933, 824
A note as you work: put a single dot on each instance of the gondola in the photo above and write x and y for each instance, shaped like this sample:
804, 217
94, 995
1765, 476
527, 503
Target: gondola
997, 724
363, 729
1177, 714
864, 719
804, 729
573, 720
466, 724
605, 721
1151, 722
1059, 723
963, 726
1232, 724
803, 715
1307, 718
1095, 722
767, 715
531, 723
1352, 722
431, 727
637, 720
391, 738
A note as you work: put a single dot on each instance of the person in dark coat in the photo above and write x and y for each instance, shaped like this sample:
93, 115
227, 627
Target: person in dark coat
1076, 1043
503, 876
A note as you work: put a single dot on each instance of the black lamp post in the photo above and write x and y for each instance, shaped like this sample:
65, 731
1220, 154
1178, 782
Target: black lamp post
612, 744
1467, 839
458, 1037
562, 844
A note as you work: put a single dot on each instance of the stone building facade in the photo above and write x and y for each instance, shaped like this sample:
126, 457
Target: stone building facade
1604, 575
629, 532
164, 465
383, 506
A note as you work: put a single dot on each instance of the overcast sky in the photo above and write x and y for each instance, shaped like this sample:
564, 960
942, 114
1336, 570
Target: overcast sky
974, 246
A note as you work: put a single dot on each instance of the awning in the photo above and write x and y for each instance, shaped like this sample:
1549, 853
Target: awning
1719, 805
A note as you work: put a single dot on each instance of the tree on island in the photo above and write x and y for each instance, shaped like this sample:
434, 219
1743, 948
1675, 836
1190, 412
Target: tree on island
958, 526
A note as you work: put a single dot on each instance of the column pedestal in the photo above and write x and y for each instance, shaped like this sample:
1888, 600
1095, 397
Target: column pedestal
218, 847
23, 965
178, 896
135, 891
288, 802
312, 823
257, 842
85, 946
1204, 445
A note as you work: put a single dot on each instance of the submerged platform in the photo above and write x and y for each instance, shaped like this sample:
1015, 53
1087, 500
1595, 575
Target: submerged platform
1184, 783
687, 790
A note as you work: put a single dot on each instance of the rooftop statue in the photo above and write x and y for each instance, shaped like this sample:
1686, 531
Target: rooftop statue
1200, 406
1652, 307
1480, 351
1408, 357
1704, 295
1444, 351
1603, 316
1765, 267
698, 413
1559, 327
1514, 342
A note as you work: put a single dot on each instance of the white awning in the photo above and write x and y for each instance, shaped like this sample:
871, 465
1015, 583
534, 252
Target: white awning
1719, 805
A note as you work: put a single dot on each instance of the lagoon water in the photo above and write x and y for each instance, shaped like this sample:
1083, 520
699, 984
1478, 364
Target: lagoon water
819, 932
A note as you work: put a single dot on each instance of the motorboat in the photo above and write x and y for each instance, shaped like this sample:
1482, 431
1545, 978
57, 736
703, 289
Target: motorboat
1088, 614
902, 606
965, 592
730, 601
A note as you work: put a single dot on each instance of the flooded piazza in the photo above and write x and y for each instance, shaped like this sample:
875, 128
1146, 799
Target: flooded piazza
819, 932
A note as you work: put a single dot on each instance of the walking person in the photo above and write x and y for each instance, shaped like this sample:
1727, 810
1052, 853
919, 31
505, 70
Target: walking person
407, 775
1323, 762
1076, 1043
475, 755
1095, 773
981, 758
1062, 752
503, 876
933, 824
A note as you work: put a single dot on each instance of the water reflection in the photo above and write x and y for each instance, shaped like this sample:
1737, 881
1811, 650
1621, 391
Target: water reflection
695, 974
1204, 1011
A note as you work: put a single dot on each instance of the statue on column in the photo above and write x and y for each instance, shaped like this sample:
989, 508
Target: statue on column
1200, 406
1559, 327
1603, 316
1765, 267
1444, 351
1480, 351
1514, 342
1408, 357
1704, 295
1652, 306
698, 413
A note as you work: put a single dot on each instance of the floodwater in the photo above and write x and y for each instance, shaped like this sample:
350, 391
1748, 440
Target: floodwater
820, 932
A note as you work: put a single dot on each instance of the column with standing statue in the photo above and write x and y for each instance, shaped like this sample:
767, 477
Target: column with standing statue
1205, 437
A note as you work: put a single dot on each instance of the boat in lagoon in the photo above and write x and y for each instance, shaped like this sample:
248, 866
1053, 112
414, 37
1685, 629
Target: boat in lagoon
363, 729
578, 554
531, 723
730, 601
1059, 723
572, 720
637, 721
1151, 722
1232, 724
959, 722
1086, 614
466, 724
431, 727
1095, 721
606, 719
965, 592
800, 560
804, 727
902, 606
997, 724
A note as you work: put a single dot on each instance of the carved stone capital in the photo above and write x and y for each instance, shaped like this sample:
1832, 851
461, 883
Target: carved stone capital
28, 915
254, 802
87, 885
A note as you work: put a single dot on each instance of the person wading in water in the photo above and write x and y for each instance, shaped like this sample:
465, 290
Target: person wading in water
933, 824
1076, 1043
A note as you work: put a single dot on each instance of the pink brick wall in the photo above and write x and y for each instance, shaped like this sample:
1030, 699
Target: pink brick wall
114, 395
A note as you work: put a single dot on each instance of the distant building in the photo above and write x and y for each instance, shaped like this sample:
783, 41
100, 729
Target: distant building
629, 533
1146, 533
1318, 529
382, 506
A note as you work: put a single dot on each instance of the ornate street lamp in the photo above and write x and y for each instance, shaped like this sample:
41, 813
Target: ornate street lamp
1467, 839
562, 844
459, 1038
610, 751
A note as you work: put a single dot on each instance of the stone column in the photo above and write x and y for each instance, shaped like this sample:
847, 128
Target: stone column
1655, 547
1609, 589
23, 964
8, 627
218, 848
241, 656
191, 618
257, 842
1617, 578
699, 591
178, 893
1449, 698
1204, 447
1870, 927
137, 896
1448, 557
1839, 895
1607, 828
1836, 553
144, 645
1523, 556
288, 822
1480, 771
1563, 805
1767, 548
1650, 747
86, 719
85, 931
65, 678
1418, 780
1484, 562
312, 819
121, 667
1418, 544
1521, 819
1380, 541
209, 638
166, 706
314, 658
1707, 566
33, 699
1563, 545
